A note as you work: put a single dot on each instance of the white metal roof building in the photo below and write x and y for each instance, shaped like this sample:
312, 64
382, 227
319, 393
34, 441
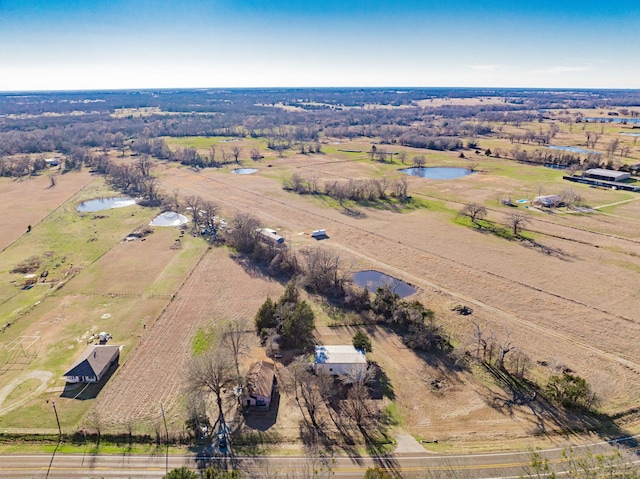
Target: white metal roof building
607, 175
340, 360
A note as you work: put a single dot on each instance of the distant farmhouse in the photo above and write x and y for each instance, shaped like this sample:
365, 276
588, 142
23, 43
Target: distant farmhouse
548, 201
259, 385
93, 364
340, 360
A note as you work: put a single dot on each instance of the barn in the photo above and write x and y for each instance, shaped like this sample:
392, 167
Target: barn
607, 175
340, 360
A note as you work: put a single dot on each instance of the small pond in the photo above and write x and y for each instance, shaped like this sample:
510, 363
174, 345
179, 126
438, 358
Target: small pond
100, 204
573, 149
630, 134
372, 280
169, 218
244, 171
437, 172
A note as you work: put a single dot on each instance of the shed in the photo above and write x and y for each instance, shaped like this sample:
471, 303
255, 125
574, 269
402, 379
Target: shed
270, 236
607, 175
93, 364
340, 360
259, 385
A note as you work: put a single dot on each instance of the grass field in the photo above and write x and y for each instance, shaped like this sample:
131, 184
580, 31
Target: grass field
566, 296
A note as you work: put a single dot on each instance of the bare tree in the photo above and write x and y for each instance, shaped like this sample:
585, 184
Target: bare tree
474, 211
321, 269
144, 165
193, 204
211, 373
400, 189
419, 161
504, 347
243, 232
236, 341
517, 222
255, 154
208, 215
212, 154
236, 150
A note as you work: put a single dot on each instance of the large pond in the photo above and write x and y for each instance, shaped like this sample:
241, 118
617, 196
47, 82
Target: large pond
169, 218
244, 171
100, 204
372, 280
572, 149
437, 172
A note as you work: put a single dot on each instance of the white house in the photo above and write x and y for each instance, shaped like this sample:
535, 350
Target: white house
340, 360
93, 364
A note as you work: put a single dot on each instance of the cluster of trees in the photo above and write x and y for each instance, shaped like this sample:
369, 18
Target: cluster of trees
357, 190
135, 179
289, 318
499, 351
21, 166
415, 140
416, 324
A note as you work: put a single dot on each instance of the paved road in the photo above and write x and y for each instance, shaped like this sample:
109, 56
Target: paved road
477, 466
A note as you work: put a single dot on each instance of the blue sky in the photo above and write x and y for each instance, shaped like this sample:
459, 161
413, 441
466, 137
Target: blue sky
96, 44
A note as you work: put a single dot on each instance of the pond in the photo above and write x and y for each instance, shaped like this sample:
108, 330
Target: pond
630, 134
100, 204
169, 218
437, 172
244, 171
372, 280
573, 149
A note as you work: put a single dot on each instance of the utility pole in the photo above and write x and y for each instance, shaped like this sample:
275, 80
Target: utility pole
164, 419
57, 420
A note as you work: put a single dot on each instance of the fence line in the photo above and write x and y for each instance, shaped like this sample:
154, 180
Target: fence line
125, 294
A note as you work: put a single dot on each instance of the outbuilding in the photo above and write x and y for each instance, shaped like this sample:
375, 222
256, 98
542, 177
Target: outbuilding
607, 175
270, 236
340, 360
93, 364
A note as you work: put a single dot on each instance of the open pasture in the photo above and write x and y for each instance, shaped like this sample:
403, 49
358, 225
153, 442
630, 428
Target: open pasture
566, 295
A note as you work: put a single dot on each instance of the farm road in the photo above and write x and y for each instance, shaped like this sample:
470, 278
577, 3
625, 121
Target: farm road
546, 320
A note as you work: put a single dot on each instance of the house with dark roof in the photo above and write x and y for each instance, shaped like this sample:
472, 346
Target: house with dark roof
93, 364
259, 385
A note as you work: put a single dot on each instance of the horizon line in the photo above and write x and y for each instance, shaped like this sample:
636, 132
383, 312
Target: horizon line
382, 87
